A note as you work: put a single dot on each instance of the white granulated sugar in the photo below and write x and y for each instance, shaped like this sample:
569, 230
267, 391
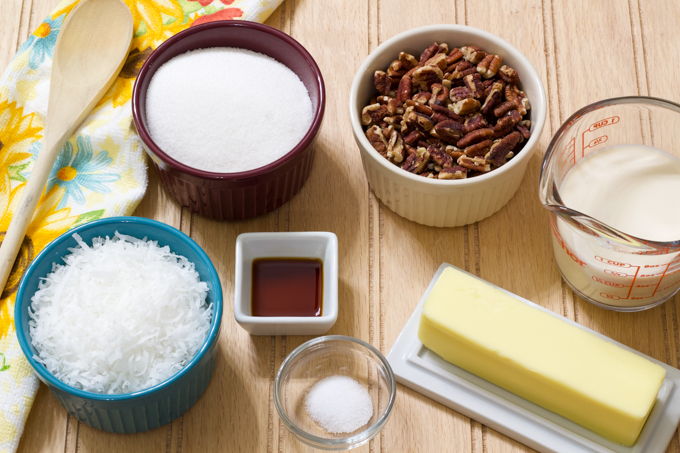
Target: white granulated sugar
120, 316
226, 110
339, 404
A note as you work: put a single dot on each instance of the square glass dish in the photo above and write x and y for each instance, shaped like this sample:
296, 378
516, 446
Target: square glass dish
313, 245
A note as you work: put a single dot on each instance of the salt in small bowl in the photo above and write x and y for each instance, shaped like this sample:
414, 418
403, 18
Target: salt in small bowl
323, 357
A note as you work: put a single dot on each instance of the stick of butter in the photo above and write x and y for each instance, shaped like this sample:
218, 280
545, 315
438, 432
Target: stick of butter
539, 357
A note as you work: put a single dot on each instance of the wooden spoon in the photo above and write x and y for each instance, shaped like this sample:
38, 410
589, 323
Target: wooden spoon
90, 51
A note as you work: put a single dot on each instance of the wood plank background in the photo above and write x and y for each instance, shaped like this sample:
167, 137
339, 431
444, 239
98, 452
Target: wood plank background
583, 50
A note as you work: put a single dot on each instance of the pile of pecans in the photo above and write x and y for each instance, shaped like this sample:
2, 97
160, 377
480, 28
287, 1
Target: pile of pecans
450, 115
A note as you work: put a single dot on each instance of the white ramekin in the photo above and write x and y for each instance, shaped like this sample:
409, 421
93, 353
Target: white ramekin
429, 201
299, 244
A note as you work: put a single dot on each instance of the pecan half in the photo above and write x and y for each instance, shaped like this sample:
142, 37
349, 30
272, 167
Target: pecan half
395, 147
454, 56
476, 121
488, 86
393, 120
449, 131
512, 93
492, 99
395, 107
396, 69
422, 98
440, 157
473, 54
414, 137
439, 94
373, 114
424, 122
377, 139
526, 133
405, 88
478, 149
463, 69
505, 107
416, 163
466, 106
454, 152
456, 172
428, 53
489, 65
459, 93
474, 163
408, 163
475, 137
425, 76
439, 60
501, 148
422, 108
382, 83
408, 60
508, 121
406, 125
446, 111
508, 74
474, 83
524, 103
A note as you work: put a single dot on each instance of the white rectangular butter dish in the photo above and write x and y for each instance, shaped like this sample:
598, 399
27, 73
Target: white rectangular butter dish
417, 367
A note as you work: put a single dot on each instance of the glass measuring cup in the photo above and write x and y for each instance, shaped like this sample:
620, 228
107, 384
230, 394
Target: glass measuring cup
603, 265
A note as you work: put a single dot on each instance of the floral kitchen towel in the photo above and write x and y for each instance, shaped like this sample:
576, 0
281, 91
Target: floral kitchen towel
101, 171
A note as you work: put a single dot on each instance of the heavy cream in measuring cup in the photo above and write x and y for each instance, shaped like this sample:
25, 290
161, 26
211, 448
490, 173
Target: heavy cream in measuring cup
626, 187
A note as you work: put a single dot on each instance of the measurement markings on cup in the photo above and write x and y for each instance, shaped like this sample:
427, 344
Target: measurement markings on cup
594, 127
608, 283
597, 141
618, 273
570, 156
648, 271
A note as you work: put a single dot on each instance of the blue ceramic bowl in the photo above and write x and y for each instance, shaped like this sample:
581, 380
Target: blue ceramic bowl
146, 409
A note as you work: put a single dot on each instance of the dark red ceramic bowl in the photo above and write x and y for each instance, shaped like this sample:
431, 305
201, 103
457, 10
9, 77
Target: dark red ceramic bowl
234, 196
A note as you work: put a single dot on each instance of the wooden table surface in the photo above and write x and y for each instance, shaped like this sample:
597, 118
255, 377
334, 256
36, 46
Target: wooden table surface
584, 51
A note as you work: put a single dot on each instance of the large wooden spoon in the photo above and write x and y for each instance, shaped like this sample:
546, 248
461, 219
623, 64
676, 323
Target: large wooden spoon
90, 51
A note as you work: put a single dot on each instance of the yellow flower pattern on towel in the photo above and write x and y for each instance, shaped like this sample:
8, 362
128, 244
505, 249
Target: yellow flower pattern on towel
16, 133
100, 172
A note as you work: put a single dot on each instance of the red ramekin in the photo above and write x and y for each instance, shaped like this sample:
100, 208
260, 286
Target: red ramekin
234, 196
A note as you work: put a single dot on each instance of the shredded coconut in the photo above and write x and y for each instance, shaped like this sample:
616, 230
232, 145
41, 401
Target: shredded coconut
120, 316
226, 110
339, 404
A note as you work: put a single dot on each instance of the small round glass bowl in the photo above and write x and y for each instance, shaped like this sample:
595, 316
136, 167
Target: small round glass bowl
322, 357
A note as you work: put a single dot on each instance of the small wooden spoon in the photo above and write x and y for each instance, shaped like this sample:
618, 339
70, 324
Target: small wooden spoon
90, 51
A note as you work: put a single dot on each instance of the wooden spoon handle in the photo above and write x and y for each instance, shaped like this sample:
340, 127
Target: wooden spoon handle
23, 214
90, 51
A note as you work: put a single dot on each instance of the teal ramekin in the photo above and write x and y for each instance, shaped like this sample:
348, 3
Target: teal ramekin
146, 409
